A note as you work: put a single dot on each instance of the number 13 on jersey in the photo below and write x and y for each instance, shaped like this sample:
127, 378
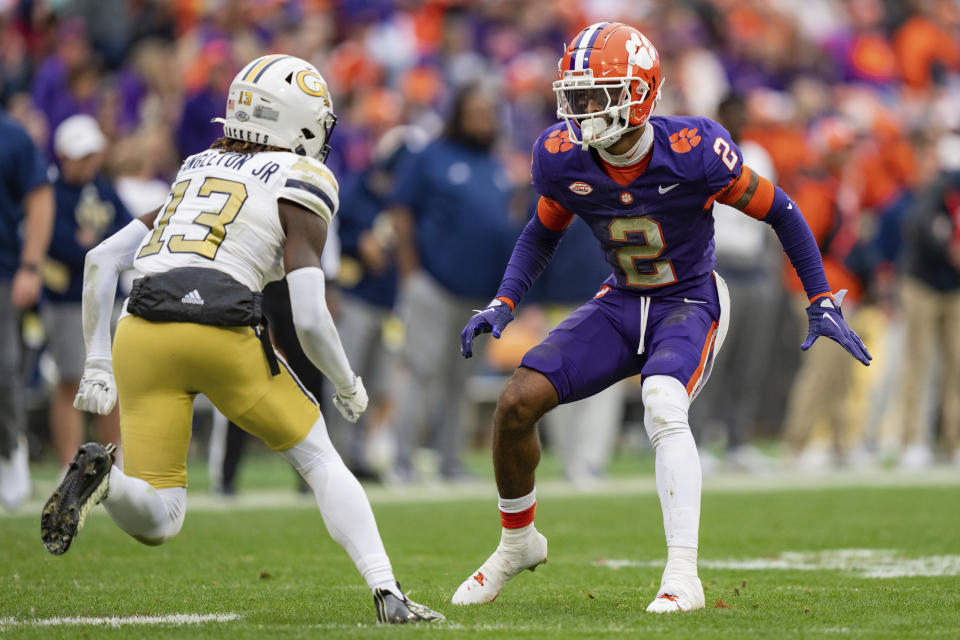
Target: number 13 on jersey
215, 221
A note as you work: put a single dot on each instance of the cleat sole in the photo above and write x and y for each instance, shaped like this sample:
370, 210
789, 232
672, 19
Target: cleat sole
83, 487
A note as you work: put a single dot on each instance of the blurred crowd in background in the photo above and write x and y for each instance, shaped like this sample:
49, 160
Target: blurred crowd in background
852, 106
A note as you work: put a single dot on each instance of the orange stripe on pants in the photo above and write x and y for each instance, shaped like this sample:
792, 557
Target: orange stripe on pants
707, 348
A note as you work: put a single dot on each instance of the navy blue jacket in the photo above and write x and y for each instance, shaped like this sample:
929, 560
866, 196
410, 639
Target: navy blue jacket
22, 169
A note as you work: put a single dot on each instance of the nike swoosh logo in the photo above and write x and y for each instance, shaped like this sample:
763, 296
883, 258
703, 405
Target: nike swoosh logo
662, 191
690, 300
830, 318
790, 206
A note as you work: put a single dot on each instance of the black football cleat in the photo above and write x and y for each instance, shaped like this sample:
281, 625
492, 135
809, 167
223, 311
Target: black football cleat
394, 610
83, 487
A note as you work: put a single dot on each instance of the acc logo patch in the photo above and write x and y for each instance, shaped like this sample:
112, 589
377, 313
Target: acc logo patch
626, 197
580, 188
685, 140
241, 116
558, 141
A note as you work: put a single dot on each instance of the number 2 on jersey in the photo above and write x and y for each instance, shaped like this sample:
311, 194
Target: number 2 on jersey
722, 148
662, 270
215, 221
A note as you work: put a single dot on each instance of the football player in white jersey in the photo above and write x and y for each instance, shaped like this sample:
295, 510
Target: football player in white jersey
249, 210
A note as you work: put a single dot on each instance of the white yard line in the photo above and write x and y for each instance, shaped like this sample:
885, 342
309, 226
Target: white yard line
866, 563
176, 620
428, 492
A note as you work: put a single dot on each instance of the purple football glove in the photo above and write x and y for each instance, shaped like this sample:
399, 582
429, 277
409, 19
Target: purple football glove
826, 319
493, 319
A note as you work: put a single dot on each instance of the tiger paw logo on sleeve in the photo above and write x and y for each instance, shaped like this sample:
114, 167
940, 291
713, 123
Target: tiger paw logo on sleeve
558, 141
685, 140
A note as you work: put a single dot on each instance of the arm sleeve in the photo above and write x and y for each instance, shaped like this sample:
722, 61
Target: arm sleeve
311, 184
798, 243
315, 328
738, 186
534, 249
759, 198
103, 264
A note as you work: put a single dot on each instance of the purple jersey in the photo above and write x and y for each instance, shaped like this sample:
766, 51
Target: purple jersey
656, 232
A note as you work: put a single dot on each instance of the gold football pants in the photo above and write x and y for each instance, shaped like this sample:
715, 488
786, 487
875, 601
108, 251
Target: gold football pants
161, 366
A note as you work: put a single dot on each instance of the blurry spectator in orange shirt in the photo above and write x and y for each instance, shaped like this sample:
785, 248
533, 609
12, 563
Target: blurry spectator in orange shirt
926, 49
829, 201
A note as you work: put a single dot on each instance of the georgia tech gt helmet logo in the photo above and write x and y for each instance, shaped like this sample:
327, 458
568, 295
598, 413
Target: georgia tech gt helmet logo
310, 83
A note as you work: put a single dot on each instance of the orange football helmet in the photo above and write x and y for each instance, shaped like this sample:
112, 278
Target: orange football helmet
609, 83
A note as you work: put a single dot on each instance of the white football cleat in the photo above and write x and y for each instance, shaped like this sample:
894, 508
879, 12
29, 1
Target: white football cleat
507, 562
15, 476
685, 595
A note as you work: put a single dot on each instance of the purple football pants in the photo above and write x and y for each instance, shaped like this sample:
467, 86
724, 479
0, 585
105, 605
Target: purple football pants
598, 344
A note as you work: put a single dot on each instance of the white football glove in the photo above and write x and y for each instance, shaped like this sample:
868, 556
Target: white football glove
98, 390
351, 403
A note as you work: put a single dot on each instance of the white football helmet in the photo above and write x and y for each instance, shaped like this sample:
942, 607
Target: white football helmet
281, 101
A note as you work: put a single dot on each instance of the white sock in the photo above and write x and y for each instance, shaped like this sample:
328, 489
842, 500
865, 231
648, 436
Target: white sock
344, 506
150, 515
516, 505
512, 539
681, 563
516, 517
678, 485
678, 472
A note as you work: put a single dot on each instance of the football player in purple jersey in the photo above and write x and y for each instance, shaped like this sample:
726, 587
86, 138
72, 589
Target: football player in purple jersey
646, 186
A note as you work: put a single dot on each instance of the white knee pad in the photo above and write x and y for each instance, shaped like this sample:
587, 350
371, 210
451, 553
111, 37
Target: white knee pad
665, 408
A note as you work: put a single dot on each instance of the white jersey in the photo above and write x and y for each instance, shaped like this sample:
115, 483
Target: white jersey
222, 214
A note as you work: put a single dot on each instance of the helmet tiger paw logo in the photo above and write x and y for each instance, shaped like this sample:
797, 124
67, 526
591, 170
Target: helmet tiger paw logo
640, 52
685, 140
558, 141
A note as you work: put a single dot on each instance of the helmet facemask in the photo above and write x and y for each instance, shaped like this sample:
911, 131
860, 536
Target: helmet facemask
315, 142
599, 108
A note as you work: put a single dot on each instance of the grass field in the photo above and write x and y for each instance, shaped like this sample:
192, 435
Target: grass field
878, 560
